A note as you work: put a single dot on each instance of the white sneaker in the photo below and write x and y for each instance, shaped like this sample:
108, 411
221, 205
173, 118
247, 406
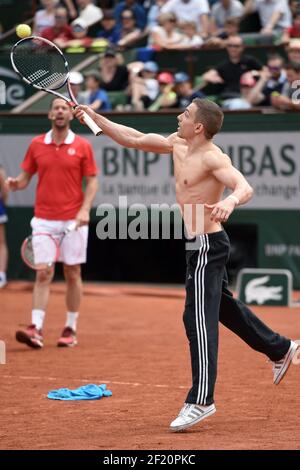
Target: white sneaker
191, 414
280, 368
3, 282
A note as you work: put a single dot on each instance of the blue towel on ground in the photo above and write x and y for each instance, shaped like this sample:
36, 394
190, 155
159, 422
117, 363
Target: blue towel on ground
86, 392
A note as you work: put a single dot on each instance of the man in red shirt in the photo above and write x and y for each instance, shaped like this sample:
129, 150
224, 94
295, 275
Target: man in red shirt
61, 33
61, 160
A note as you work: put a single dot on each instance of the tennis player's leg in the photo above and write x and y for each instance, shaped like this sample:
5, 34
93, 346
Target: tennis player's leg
32, 335
244, 323
3, 255
205, 269
73, 253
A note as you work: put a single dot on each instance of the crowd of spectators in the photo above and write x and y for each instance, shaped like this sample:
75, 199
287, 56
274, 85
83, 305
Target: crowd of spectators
239, 81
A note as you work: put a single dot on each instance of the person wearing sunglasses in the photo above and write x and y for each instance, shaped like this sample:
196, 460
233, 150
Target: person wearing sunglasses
61, 33
228, 73
272, 80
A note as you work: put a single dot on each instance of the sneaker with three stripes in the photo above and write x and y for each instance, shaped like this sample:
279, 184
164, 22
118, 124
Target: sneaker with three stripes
191, 414
280, 368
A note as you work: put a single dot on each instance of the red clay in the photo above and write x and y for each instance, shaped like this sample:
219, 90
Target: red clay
136, 345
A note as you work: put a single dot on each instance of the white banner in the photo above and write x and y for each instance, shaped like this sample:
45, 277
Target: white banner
269, 161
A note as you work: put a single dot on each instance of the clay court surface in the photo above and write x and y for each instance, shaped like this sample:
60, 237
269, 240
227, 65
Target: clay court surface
133, 340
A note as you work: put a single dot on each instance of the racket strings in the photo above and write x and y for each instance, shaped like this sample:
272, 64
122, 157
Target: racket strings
40, 251
28, 252
40, 63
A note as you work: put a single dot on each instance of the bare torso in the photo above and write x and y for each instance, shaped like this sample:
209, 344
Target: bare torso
195, 185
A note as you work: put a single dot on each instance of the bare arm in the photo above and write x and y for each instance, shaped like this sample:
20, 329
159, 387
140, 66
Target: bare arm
204, 25
256, 95
249, 7
83, 216
18, 183
222, 169
3, 189
276, 15
127, 136
71, 8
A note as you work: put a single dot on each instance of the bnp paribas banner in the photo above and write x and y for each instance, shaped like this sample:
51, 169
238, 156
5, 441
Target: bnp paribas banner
269, 161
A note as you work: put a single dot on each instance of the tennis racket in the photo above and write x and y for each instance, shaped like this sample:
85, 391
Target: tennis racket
41, 64
41, 250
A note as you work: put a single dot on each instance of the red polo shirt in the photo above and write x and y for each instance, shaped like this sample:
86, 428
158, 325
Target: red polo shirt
52, 33
60, 171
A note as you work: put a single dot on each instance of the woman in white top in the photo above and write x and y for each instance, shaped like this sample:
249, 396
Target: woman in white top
166, 34
45, 18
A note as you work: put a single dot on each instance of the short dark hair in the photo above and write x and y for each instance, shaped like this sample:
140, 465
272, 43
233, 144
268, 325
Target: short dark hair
210, 115
292, 66
274, 56
54, 99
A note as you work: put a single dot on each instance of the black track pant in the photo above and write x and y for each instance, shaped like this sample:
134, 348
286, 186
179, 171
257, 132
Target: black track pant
207, 301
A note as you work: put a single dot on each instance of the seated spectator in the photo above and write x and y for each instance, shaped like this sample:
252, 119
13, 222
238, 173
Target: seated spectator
271, 79
244, 101
76, 81
190, 10
97, 99
185, 92
109, 29
80, 34
128, 32
138, 11
167, 97
228, 73
114, 77
288, 99
293, 51
45, 17
153, 14
88, 12
190, 37
294, 31
274, 15
144, 86
61, 32
222, 11
165, 35
231, 28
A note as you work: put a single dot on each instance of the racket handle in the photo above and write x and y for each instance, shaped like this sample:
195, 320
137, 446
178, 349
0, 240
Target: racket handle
72, 226
91, 124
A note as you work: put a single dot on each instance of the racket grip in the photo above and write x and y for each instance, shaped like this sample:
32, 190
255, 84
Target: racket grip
91, 124
71, 227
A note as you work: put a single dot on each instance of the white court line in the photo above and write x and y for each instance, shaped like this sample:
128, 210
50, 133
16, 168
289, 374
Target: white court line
133, 384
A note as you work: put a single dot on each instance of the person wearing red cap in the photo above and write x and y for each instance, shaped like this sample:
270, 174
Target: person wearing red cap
247, 98
202, 172
167, 96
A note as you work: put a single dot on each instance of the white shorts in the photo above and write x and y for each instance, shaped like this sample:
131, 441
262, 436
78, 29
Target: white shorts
73, 248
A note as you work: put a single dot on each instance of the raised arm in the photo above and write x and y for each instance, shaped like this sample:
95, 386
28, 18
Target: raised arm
127, 136
3, 189
222, 169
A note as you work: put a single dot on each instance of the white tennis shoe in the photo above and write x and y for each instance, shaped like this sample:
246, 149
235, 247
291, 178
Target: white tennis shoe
280, 368
191, 414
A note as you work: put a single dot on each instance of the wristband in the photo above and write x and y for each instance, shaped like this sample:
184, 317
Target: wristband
236, 200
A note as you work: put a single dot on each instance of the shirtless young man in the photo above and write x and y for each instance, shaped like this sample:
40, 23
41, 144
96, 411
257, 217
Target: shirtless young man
202, 172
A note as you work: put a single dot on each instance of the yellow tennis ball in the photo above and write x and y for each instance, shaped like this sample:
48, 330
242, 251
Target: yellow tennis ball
23, 30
